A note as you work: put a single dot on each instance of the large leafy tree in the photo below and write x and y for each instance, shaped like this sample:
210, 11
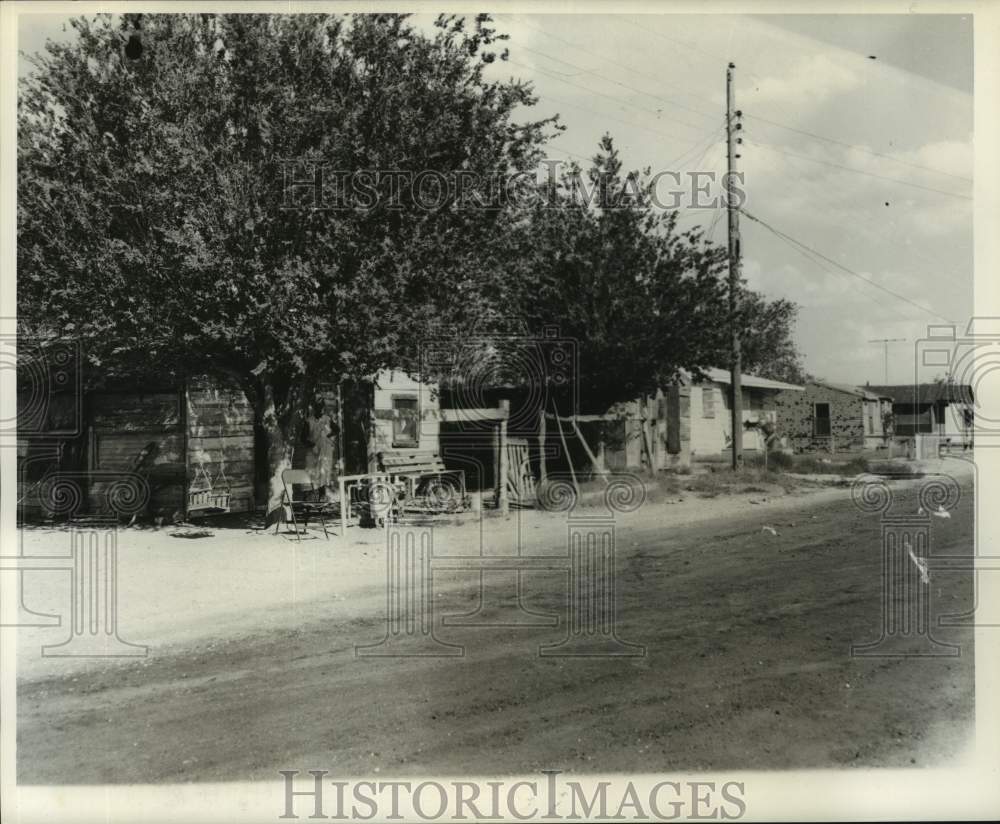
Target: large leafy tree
605, 263
767, 346
156, 225
609, 267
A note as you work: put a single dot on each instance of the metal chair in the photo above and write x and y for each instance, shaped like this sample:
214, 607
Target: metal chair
307, 505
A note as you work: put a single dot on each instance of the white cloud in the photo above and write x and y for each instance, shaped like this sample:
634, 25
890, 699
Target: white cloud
809, 83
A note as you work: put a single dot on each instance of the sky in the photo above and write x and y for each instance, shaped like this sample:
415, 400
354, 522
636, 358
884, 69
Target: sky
858, 144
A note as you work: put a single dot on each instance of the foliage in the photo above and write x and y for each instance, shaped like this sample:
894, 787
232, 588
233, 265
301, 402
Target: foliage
767, 347
642, 299
613, 273
153, 222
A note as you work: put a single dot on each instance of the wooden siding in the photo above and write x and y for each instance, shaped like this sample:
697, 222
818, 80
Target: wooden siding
121, 425
711, 434
220, 439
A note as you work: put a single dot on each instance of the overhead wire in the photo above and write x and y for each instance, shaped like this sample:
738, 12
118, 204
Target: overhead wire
858, 171
847, 270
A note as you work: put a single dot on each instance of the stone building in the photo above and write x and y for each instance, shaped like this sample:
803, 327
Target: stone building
831, 417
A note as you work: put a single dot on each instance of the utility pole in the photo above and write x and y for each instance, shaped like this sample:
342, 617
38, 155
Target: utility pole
734, 125
885, 352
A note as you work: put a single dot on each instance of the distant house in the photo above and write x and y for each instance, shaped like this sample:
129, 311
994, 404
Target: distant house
711, 431
943, 408
831, 416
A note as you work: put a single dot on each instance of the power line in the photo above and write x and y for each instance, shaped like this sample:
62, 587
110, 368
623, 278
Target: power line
820, 265
858, 171
866, 226
625, 86
712, 138
556, 76
659, 80
864, 149
620, 120
668, 38
780, 125
841, 266
572, 154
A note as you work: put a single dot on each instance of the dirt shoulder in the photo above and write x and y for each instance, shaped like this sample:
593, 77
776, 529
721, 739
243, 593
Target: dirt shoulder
747, 638
176, 588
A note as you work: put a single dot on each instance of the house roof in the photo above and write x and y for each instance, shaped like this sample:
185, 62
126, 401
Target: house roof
869, 393
926, 393
749, 381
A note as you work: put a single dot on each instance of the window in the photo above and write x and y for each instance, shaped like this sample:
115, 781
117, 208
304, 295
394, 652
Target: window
708, 402
405, 421
821, 419
870, 419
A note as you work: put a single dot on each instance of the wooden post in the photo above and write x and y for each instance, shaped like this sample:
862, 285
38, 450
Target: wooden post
502, 500
541, 446
649, 450
598, 469
569, 460
733, 116
496, 464
341, 458
186, 433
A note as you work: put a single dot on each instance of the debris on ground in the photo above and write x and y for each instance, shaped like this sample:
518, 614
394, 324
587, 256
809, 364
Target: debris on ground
769, 529
925, 577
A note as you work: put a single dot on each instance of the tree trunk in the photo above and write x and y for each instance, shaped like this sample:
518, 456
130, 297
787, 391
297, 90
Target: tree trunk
280, 418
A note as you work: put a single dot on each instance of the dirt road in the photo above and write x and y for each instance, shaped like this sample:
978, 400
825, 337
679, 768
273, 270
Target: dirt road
747, 666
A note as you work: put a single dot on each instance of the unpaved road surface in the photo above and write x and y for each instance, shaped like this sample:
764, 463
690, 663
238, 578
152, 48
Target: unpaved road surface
747, 666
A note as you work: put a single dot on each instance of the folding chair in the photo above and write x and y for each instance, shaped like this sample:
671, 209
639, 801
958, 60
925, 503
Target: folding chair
308, 504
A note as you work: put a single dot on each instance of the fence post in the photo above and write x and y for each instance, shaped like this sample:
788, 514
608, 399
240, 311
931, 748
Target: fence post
542, 473
502, 499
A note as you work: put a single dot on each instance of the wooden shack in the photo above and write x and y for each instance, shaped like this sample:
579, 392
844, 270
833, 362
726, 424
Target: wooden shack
200, 431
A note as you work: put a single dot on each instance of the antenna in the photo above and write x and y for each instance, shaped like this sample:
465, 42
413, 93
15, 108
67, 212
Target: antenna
885, 352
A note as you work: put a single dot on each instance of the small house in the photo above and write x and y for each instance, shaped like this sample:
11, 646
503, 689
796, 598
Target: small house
943, 408
690, 421
833, 416
710, 412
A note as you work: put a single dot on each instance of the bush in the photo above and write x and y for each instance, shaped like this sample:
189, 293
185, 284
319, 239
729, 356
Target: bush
780, 461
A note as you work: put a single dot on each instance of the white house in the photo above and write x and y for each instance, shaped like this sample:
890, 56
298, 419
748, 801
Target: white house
711, 416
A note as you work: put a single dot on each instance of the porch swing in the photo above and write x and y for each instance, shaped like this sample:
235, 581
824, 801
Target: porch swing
208, 497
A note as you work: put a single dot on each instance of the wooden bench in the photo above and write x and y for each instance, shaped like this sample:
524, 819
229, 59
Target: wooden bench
416, 470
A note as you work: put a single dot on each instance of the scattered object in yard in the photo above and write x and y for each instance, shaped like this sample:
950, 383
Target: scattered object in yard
427, 485
758, 500
521, 481
674, 501
769, 529
941, 512
921, 511
194, 533
921, 565
309, 503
